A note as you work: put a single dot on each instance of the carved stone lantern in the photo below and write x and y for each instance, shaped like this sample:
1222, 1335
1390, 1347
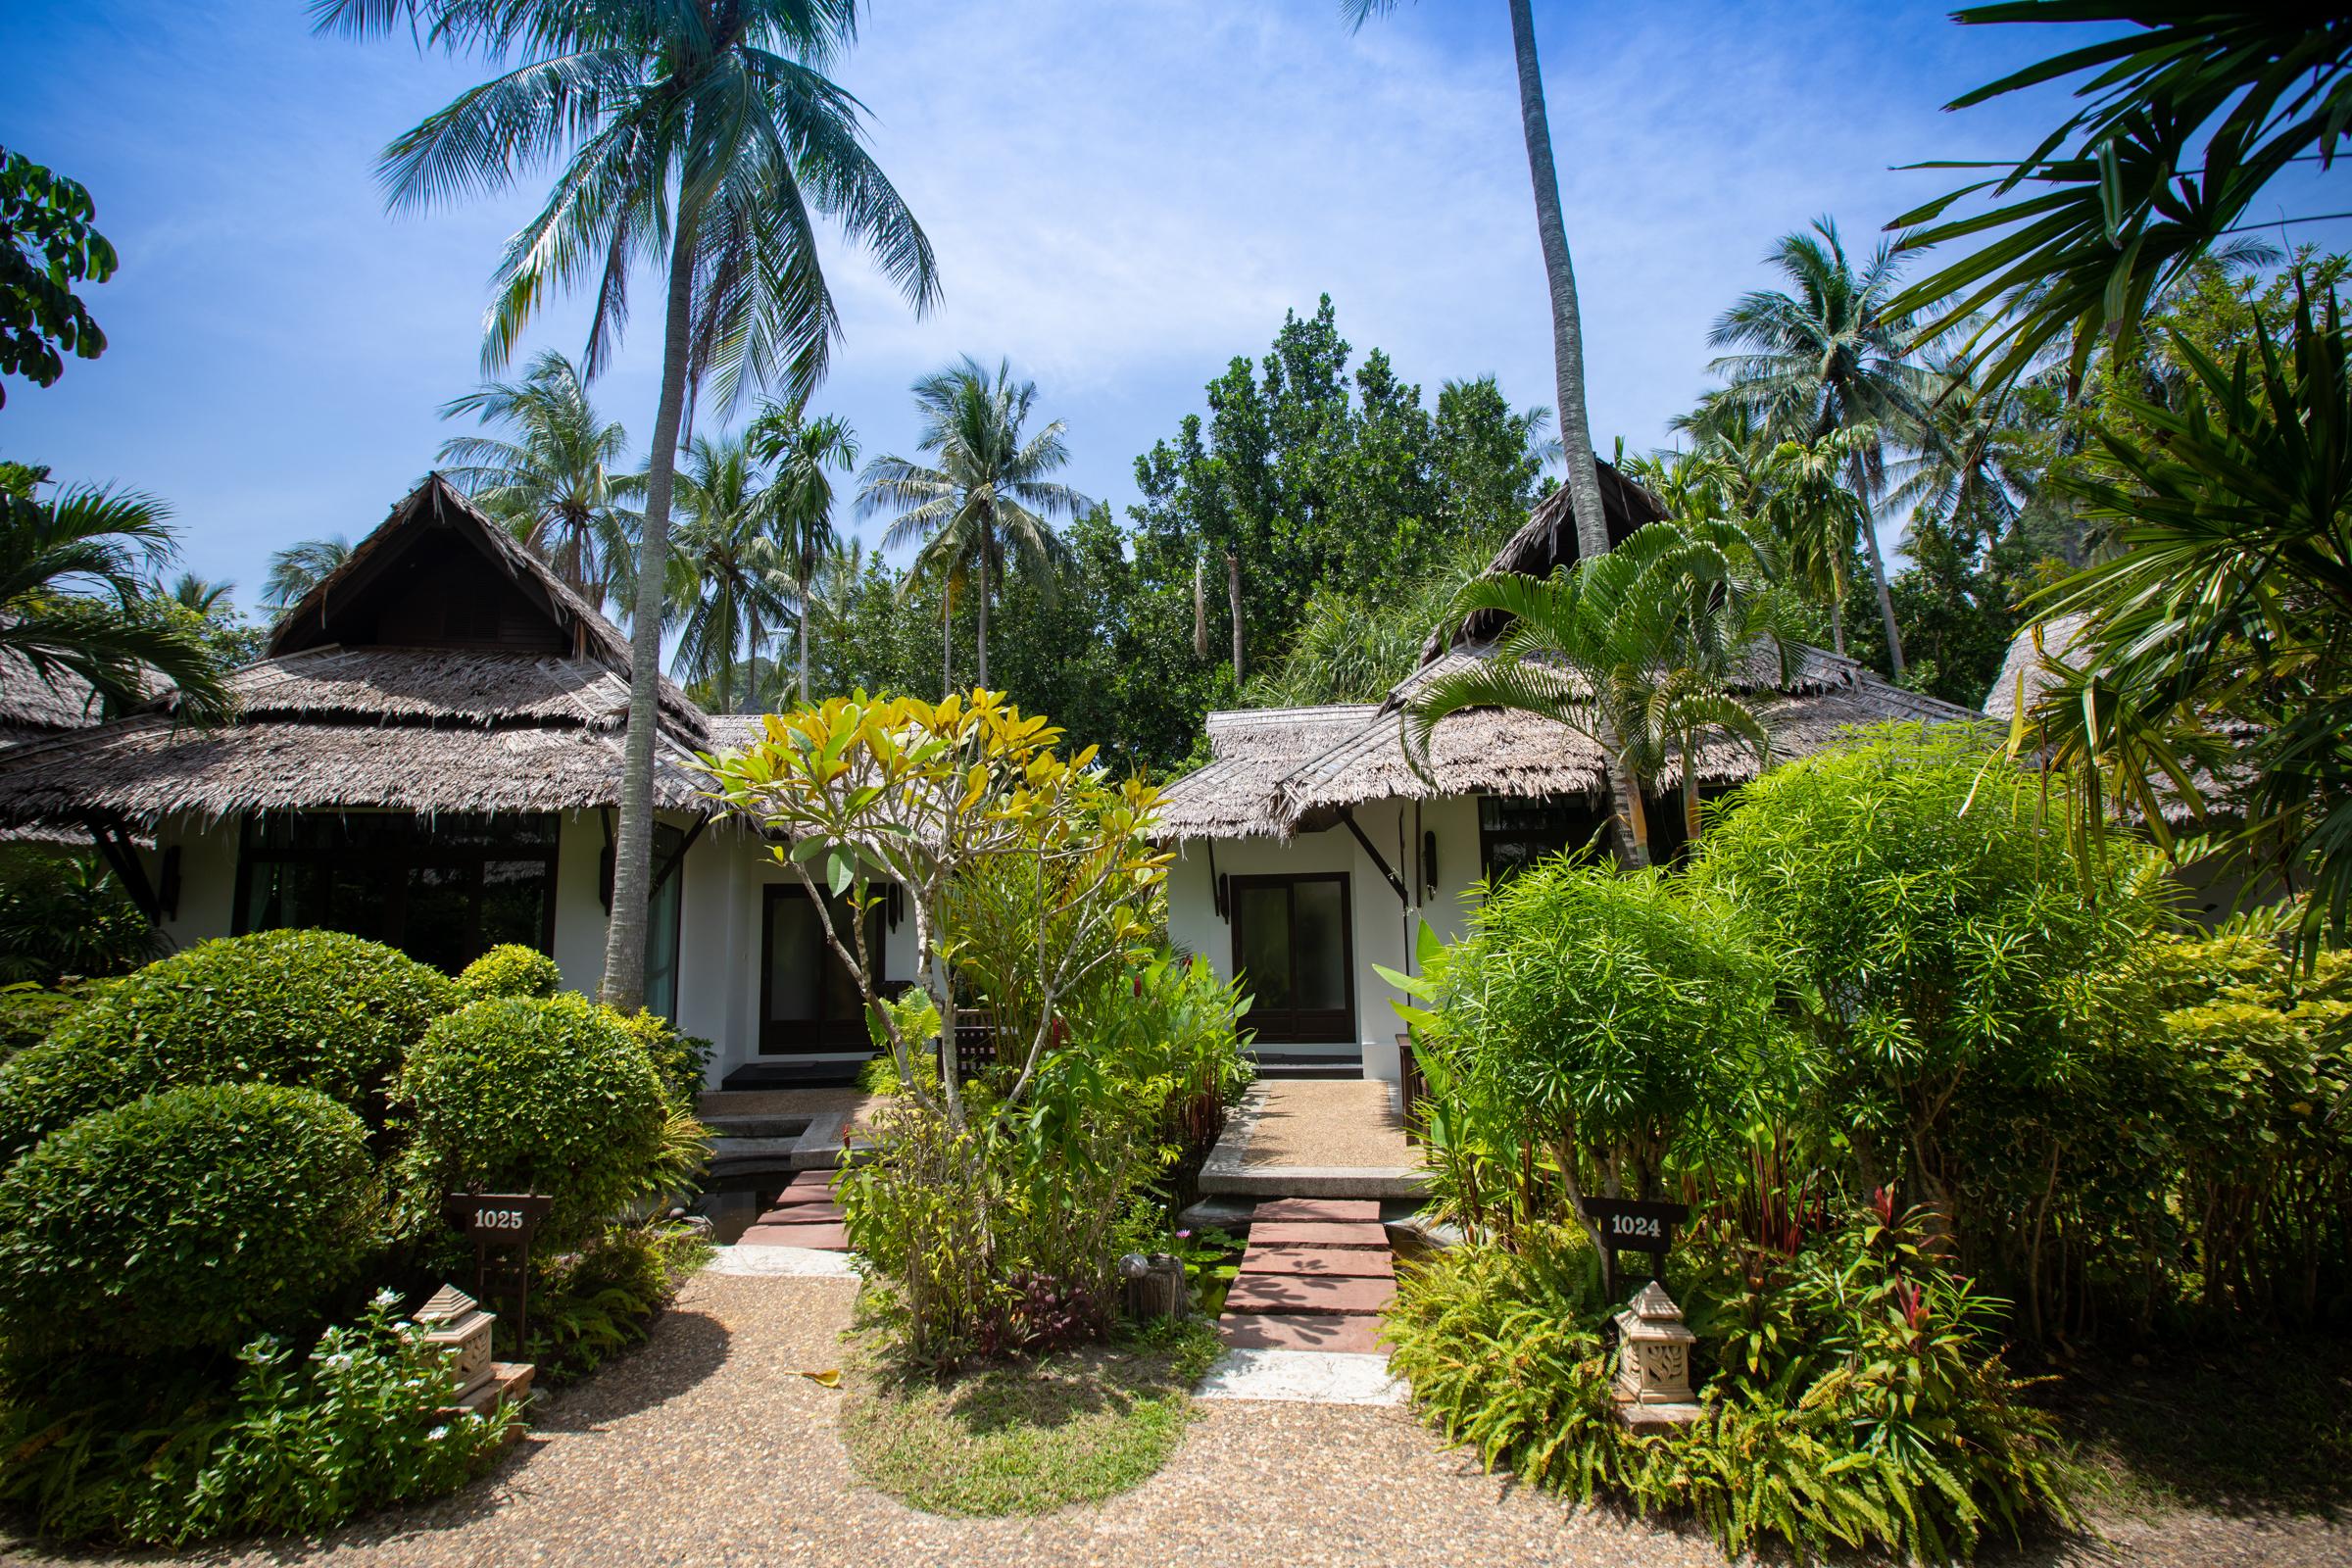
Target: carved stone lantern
1653, 1362
455, 1323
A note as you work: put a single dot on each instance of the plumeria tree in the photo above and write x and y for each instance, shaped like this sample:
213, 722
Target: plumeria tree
863, 795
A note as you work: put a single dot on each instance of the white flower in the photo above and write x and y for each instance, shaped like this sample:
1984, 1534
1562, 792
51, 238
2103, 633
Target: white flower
436, 1435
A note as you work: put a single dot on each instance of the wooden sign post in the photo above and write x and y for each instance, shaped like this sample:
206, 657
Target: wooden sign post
500, 1226
1627, 1226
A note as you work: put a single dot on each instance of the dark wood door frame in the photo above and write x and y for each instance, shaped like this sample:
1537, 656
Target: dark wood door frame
807, 1036
1294, 1025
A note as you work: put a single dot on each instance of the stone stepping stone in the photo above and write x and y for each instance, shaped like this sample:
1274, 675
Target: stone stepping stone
1319, 1211
1318, 1260
1316, 1293
824, 1238
1265, 1331
812, 1181
1311, 1234
804, 1214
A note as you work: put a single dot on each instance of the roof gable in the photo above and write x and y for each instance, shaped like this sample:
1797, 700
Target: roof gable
440, 573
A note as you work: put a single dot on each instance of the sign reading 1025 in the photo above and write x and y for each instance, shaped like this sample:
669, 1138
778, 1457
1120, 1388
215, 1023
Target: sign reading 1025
507, 1218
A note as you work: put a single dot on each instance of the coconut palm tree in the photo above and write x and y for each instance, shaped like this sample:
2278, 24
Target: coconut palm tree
982, 498
77, 570
706, 139
1826, 354
1640, 651
800, 498
206, 596
557, 484
727, 577
300, 567
1559, 274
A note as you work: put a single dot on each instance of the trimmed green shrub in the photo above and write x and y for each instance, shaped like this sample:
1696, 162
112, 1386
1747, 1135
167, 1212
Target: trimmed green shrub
190, 1218
290, 1446
679, 1058
29, 1013
317, 1009
553, 1096
511, 970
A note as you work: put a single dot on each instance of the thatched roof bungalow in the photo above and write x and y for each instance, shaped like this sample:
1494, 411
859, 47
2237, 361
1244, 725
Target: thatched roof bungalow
430, 753
1311, 849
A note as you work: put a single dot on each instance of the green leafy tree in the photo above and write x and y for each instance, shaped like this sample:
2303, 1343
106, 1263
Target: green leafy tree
984, 498
805, 453
77, 570
706, 140
48, 245
555, 478
1829, 354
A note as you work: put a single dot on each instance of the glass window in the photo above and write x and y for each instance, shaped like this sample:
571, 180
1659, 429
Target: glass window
1513, 834
441, 889
1292, 948
662, 922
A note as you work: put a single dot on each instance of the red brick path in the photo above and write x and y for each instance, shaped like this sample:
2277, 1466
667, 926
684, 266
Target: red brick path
805, 1215
1315, 1277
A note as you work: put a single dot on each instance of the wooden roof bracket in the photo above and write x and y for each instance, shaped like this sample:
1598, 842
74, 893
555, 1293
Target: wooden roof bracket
122, 858
1404, 898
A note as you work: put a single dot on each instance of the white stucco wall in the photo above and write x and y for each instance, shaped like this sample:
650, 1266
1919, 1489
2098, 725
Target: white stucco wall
1383, 929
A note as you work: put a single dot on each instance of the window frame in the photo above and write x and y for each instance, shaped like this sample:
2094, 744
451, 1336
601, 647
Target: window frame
1295, 1025
791, 1036
1541, 840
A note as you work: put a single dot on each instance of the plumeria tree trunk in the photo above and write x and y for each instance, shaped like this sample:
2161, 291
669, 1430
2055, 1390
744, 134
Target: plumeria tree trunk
623, 983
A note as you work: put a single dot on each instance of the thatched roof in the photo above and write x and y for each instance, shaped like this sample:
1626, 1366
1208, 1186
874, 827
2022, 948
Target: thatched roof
1281, 771
1259, 785
32, 706
523, 707
1546, 542
1251, 752
2024, 668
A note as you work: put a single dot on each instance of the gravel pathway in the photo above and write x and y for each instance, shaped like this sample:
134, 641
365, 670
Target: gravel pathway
1337, 1122
707, 1447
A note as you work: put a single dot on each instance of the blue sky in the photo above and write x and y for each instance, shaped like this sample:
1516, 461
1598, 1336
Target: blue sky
1123, 194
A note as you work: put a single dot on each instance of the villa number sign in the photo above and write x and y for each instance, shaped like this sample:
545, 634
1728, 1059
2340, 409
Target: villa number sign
1628, 1226
500, 1226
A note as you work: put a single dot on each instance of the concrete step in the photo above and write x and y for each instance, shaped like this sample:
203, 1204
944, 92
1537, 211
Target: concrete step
1360, 1235
1319, 1211
804, 1214
1347, 1263
1320, 1296
1310, 1067
1274, 1331
791, 1074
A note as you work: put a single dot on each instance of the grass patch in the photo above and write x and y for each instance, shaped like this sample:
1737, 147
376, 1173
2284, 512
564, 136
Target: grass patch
2259, 1425
1027, 1437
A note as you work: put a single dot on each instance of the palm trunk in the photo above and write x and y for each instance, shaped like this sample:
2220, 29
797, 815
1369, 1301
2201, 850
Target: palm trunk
1568, 369
623, 983
1878, 577
1567, 325
1837, 623
980, 624
801, 634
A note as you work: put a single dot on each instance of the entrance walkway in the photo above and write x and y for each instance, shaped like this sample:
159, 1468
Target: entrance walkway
1315, 1277
1310, 1138
805, 1215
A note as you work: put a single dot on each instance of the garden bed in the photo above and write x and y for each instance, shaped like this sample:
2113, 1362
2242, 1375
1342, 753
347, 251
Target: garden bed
1026, 1436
